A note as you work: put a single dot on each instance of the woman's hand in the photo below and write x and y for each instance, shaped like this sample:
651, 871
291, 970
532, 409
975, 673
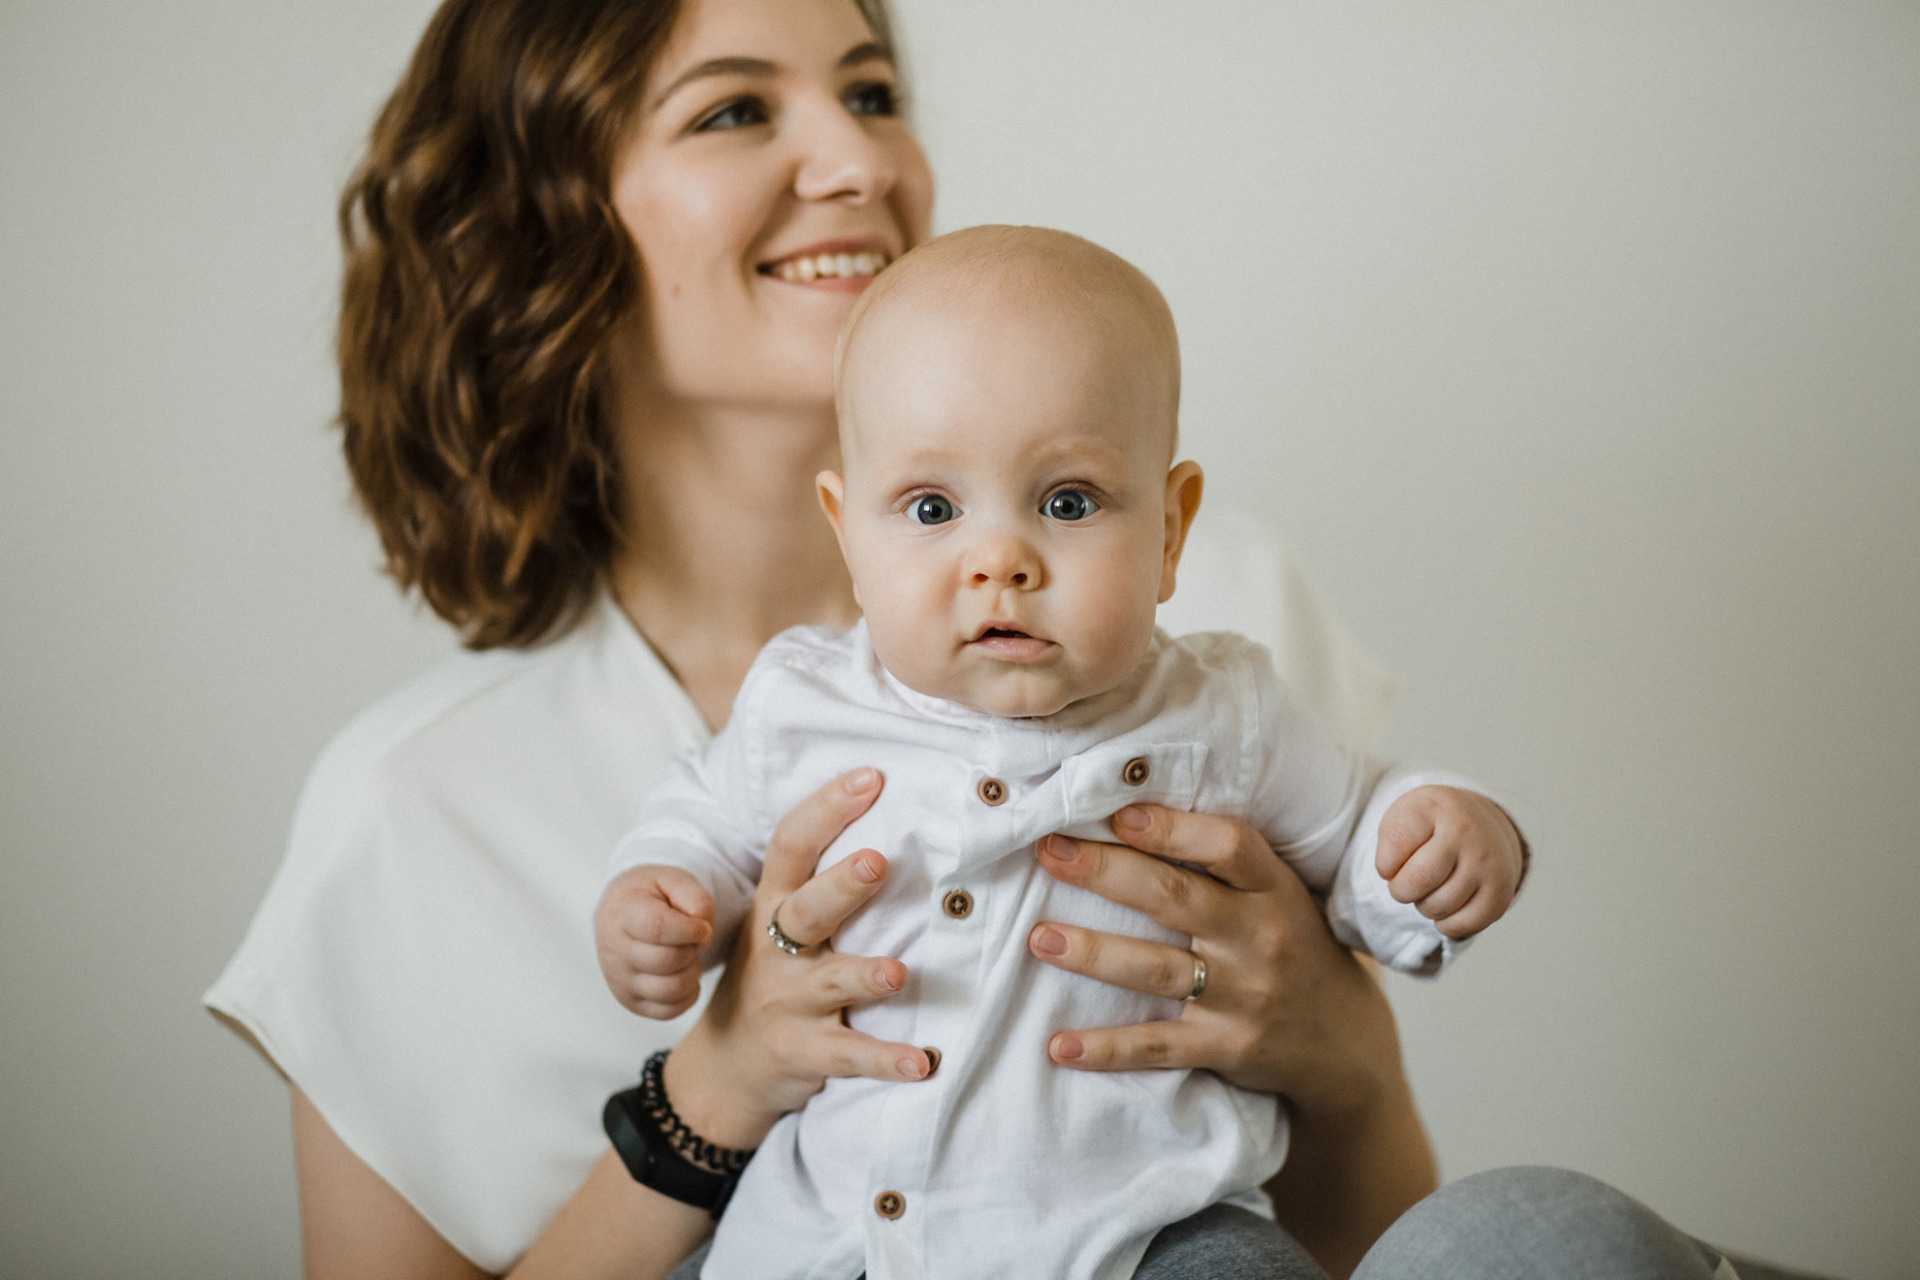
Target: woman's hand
1286, 1010
774, 1032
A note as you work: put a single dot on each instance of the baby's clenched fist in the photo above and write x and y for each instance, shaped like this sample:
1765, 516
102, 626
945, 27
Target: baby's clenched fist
1454, 854
648, 930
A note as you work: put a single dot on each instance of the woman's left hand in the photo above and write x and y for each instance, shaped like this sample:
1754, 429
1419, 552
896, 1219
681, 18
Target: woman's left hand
1286, 1008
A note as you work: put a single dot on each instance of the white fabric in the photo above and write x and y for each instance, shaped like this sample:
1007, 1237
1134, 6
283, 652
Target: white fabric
423, 964
1007, 1164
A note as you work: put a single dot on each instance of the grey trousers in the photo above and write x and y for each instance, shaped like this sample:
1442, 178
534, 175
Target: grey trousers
1508, 1224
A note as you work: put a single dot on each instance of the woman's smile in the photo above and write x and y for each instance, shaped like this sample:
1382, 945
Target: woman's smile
839, 266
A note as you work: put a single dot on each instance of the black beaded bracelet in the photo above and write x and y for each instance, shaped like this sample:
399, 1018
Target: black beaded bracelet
662, 1152
687, 1144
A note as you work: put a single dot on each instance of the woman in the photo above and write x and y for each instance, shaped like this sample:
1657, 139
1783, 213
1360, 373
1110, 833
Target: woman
597, 258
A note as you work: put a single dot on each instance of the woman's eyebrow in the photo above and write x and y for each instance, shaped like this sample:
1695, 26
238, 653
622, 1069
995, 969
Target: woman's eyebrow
870, 51
715, 67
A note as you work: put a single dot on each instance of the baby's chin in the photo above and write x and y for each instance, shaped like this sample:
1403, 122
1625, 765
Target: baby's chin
1013, 695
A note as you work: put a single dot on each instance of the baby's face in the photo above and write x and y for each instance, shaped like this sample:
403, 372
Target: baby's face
1005, 505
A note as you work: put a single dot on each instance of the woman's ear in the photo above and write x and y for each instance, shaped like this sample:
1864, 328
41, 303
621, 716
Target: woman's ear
1184, 484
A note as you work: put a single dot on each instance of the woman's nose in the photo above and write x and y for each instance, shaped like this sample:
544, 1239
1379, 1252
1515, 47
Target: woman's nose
842, 161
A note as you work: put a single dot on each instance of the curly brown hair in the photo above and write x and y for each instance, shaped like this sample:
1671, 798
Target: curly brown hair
486, 270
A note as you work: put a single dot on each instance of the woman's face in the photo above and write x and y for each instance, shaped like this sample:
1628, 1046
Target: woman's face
767, 177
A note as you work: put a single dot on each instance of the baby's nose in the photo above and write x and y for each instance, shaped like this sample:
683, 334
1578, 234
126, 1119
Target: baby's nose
1006, 561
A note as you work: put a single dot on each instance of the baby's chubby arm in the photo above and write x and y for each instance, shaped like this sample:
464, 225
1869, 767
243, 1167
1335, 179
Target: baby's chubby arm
1453, 854
1397, 849
681, 881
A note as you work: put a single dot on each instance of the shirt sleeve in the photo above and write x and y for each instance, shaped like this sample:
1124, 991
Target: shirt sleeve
1320, 805
704, 817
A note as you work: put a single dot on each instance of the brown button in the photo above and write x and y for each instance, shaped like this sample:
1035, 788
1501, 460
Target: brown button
1136, 771
958, 903
933, 1058
992, 791
889, 1204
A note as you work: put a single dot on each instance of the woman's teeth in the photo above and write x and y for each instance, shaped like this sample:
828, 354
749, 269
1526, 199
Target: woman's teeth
829, 266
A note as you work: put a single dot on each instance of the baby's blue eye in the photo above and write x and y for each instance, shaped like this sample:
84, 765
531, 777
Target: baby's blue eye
932, 509
1070, 504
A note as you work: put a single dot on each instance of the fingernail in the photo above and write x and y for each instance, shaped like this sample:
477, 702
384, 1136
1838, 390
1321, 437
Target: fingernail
887, 979
1067, 1047
865, 870
1060, 849
1131, 819
910, 1067
1049, 941
861, 781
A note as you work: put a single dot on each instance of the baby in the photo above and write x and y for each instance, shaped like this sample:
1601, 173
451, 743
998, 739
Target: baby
1011, 515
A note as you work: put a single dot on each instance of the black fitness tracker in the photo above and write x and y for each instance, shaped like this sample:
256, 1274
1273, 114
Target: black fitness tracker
662, 1153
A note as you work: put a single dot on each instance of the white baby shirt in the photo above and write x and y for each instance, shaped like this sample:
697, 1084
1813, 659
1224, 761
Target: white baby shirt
1002, 1163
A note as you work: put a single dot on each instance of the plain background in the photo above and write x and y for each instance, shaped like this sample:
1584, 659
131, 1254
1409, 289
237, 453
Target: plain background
1577, 347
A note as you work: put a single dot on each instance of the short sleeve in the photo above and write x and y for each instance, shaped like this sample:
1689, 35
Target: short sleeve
423, 966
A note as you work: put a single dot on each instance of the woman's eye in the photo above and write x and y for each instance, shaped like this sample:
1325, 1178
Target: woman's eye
737, 114
932, 509
1070, 504
878, 99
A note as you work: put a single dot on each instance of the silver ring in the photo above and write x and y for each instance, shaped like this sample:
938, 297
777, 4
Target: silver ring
1199, 976
787, 944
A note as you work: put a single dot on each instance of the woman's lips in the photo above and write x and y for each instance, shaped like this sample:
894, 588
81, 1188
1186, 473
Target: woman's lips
1010, 645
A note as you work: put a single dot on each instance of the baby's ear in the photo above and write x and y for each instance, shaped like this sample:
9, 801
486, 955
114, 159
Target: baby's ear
831, 491
1184, 484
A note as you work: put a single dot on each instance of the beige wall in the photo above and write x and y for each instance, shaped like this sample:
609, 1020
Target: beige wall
1578, 347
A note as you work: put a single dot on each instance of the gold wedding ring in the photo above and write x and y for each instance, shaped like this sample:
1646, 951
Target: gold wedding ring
1199, 976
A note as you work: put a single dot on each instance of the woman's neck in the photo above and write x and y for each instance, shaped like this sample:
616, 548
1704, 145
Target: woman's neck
725, 542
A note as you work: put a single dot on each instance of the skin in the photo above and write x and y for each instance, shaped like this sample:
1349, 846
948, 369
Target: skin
724, 406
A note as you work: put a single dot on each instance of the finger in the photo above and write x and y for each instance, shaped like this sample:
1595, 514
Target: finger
839, 981
815, 911
1152, 968
1140, 1047
684, 894
1481, 910
649, 920
644, 957
1450, 897
842, 1052
1404, 828
678, 989
1229, 849
804, 834
1182, 900
1425, 871
661, 1012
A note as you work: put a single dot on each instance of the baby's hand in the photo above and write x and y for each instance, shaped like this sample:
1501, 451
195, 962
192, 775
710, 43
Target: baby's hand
1453, 853
649, 928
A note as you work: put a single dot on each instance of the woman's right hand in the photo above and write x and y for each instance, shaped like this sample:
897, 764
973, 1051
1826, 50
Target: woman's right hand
774, 1031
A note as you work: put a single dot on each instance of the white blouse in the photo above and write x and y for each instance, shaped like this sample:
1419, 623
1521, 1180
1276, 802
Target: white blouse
423, 964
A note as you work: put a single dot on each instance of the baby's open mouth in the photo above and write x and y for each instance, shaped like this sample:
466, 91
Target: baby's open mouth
1003, 633
807, 268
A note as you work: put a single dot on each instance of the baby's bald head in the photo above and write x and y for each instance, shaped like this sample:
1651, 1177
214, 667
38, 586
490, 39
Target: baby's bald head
1056, 287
